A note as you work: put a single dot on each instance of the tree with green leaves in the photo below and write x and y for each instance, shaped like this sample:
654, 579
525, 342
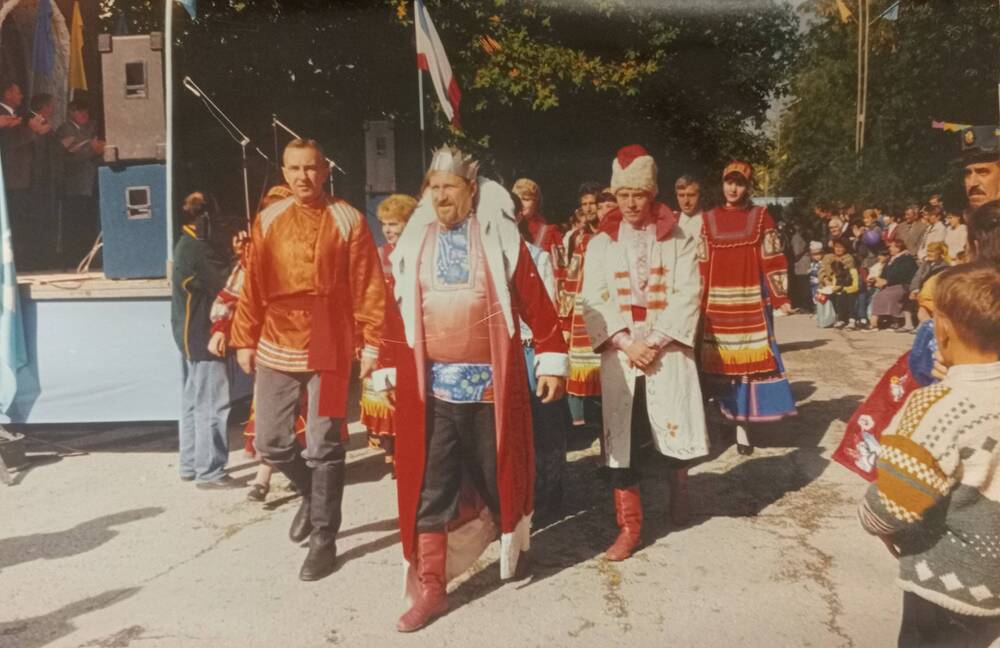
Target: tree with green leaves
551, 88
937, 61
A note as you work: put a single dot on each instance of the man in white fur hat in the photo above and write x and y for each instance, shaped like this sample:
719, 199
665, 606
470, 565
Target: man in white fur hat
641, 306
464, 281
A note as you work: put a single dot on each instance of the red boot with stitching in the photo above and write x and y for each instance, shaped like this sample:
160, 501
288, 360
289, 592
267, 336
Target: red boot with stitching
432, 602
628, 509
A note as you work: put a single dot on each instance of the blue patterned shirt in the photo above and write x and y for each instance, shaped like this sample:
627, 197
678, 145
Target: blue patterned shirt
458, 382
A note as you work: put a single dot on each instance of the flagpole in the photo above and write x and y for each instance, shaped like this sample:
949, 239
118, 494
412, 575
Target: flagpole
423, 128
168, 48
864, 82
857, 100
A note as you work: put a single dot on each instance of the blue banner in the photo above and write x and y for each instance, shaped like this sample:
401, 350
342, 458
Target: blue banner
13, 354
44, 48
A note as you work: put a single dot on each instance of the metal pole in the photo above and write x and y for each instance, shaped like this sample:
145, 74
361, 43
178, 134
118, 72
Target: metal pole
274, 131
168, 47
246, 184
864, 84
857, 102
423, 132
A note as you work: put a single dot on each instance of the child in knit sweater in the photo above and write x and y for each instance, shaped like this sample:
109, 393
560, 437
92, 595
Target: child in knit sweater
936, 501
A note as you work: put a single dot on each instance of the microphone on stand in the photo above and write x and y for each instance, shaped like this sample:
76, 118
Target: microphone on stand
191, 87
231, 129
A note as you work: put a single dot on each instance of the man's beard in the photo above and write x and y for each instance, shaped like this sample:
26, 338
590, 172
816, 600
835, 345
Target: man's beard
452, 218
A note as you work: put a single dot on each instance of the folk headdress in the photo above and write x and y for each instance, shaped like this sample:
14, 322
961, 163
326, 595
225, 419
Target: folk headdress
634, 168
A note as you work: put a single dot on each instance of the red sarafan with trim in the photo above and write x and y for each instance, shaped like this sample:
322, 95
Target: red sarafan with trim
376, 412
584, 363
742, 245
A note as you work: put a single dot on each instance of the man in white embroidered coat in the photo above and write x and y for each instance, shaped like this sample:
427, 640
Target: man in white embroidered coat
641, 306
464, 281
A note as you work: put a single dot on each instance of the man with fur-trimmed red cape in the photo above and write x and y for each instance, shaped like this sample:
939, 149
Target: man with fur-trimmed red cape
464, 280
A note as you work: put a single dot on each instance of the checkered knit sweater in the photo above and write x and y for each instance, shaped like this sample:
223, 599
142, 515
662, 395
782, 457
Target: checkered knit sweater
938, 491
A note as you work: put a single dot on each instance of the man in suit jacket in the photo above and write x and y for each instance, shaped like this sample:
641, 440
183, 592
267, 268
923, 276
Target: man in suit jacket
83, 151
17, 137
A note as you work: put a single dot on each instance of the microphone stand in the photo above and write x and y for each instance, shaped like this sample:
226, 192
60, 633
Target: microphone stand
277, 123
234, 132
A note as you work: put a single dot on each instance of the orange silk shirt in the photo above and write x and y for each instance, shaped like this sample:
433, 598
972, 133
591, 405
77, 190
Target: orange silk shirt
303, 258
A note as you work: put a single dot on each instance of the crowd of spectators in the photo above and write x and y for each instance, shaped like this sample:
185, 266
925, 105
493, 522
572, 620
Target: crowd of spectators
868, 271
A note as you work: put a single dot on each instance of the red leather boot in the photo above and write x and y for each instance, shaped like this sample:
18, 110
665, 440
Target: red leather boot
628, 510
432, 601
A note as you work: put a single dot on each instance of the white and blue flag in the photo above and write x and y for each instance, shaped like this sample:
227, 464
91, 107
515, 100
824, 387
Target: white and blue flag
13, 354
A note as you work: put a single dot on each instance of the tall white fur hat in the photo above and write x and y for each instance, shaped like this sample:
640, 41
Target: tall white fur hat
634, 168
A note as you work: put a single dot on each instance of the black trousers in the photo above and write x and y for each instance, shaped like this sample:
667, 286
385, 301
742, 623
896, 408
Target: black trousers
800, 293
461, 444
642, 438
844, 304
925, 624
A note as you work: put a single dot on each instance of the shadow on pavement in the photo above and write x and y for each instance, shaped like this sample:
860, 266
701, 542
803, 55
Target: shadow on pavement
80, 539
807, 429
751, 486
82, 438
362, 550
38, 631
35, 460
742, 491
804, 345
371, 468
392, 524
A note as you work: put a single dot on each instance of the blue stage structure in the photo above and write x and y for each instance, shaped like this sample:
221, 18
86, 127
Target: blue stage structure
99, 350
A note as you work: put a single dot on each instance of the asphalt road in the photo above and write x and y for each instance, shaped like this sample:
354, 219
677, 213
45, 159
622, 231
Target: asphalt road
107, 548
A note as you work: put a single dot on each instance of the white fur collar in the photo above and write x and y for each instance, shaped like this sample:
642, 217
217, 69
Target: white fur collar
501, 246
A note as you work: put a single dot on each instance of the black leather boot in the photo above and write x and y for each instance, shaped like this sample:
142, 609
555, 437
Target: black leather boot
301, 476
325, 515
301, 526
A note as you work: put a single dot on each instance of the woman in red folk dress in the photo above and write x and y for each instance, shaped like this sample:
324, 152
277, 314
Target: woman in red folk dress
376, 410
534, 228
746, 279
584, 384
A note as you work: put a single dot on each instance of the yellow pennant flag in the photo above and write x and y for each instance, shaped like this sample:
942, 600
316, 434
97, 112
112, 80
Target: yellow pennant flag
845, 13
77, 73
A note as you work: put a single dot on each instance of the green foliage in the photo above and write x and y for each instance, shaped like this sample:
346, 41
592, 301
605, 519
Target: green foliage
559, 85
550, 88
520, 56
937, 62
